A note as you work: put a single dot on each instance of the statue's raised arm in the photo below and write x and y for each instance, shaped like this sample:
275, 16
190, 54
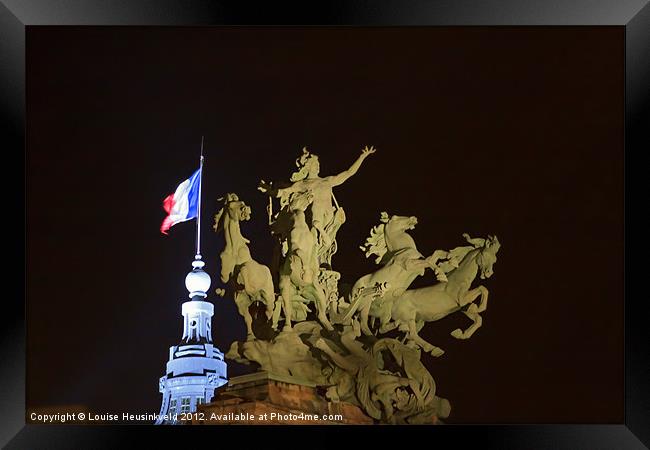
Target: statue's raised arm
272, 190
341, 178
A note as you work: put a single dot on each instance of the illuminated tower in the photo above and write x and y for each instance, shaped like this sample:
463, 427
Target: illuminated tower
195, 367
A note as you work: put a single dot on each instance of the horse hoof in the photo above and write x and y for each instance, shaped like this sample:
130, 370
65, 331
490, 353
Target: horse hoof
458, 333
437, 351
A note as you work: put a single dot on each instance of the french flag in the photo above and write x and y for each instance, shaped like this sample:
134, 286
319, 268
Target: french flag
183, 204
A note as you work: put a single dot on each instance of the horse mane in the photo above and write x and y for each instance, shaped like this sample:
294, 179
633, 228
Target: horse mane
376, 243
459, 253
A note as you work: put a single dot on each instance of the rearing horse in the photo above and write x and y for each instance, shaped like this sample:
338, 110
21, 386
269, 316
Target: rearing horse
251, 281
417, 306
402, 263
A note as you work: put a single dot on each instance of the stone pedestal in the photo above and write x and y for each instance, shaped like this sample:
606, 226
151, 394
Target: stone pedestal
264, 399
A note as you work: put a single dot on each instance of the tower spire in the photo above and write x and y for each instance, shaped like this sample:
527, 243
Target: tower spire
195, 367
198, 215
197, 281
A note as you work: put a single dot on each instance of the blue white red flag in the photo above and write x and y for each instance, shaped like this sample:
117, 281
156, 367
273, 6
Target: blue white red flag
183, 204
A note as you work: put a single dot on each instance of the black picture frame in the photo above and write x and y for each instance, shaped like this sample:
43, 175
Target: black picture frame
634, 16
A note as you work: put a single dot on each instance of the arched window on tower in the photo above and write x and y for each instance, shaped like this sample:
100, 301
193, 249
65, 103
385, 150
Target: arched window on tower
193, 329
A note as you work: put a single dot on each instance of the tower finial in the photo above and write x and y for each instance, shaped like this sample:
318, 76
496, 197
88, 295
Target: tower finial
197, 281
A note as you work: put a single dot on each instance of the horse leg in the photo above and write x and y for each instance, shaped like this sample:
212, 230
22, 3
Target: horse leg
415, 337
472, 313
243, 303
363, 316
318, 296
269, 301
276, 312
287, 293
386, 327
346, 363
478, 321
249, 326
437, 255
324, 320
386, 322
484, 298
321, 303
227, 266
471, 295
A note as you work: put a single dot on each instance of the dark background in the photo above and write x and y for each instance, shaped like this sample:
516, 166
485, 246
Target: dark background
509, 131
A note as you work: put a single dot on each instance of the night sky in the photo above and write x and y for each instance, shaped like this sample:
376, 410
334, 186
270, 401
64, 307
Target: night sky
509, 131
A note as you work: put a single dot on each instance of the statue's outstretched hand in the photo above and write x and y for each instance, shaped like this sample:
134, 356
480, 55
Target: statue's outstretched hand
265, 187
368, 151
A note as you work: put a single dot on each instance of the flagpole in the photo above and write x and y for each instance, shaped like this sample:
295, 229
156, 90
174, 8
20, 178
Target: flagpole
198, 218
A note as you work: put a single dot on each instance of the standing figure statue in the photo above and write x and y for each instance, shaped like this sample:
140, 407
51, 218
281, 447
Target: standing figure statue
326, 219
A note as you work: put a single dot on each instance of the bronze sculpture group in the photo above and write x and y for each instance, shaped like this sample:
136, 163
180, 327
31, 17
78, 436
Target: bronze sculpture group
316, 334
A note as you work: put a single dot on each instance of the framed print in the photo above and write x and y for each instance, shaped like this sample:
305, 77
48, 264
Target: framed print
250, 215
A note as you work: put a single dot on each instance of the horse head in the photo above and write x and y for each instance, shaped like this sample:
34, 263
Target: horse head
397, 224
488, 256
395, 231
389, 236
236, 211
